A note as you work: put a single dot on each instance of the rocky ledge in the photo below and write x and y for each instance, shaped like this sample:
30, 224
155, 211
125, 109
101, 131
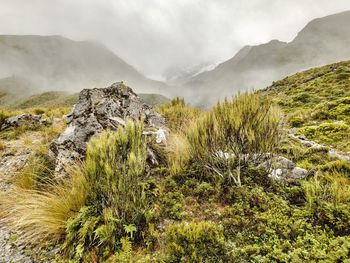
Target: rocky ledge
98, 110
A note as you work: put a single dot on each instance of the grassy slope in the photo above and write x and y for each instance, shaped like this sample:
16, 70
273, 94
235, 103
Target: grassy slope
317, 101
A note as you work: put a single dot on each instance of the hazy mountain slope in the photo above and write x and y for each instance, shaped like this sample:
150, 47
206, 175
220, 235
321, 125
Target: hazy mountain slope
57, 63
323, 41
10, 99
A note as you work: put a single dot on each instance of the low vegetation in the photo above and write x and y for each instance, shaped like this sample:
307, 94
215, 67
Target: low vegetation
210, 199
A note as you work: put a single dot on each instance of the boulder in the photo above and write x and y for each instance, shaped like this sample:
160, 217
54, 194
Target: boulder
285, 170
100, 109
23, 119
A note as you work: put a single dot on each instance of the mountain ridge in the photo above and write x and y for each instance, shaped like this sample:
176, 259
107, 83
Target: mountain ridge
322, 41
58, 63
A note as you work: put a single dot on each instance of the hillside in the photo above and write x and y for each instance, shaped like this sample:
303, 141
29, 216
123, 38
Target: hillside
322, 41
48, 63
317, 102
250, 180
18, 99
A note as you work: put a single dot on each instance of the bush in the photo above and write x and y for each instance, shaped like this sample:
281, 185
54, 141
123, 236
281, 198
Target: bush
296, 121
172, 200
177, 114
235, 134
328, 199
117, 204
303, 97
204, 191
195, 242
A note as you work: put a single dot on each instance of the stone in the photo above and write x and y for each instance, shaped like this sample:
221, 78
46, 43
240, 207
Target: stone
100, 109
283, 169
23, 119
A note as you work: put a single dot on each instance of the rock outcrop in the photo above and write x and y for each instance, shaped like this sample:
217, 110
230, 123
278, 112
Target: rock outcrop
97, 110
285, 170
23, 119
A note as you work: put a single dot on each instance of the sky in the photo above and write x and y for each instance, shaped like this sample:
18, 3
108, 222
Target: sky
160, 37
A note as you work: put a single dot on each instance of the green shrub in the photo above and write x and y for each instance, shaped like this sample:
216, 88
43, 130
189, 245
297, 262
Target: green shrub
195, 242
339, 166
296, 121
177, 114
172, 200
117, 203
234, 134
303, 97
204, 191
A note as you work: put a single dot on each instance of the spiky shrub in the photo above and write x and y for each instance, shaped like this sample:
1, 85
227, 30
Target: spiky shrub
234, 134
117, 202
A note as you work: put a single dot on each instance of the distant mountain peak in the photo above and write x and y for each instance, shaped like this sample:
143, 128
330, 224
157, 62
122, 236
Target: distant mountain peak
322, 41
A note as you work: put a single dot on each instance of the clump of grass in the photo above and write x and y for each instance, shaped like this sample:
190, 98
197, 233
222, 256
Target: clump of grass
2, 146
40, 216
3, 116
178, 153
38, 169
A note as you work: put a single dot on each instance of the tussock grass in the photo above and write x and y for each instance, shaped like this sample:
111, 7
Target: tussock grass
38, 169
178, 152
40, 216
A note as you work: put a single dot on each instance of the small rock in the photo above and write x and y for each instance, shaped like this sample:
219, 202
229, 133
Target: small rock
23, 119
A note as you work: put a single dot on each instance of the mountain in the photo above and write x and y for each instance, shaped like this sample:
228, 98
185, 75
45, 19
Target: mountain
46, 63
19, 99
323, 41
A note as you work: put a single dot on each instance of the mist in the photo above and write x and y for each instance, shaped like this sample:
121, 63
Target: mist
161, 38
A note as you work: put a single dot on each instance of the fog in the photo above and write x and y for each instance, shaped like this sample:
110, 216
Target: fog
161, 37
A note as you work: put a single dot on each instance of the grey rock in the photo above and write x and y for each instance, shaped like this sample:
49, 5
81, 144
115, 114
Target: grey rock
24, 119
284, 163
98, 110
298, 173
283, 169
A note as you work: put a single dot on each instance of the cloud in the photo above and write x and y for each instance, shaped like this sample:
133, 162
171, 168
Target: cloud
156, 35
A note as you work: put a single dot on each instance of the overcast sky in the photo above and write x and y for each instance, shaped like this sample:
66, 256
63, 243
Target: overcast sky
155, 35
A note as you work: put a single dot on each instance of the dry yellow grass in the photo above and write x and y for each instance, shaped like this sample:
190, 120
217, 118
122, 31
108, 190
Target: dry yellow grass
39, 216
2, 146
178, 154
